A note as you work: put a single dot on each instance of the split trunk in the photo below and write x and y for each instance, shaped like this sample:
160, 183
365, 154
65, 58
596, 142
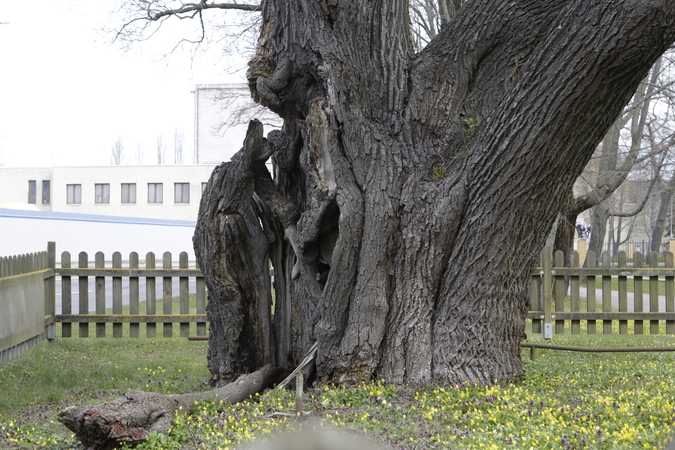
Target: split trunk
411, 192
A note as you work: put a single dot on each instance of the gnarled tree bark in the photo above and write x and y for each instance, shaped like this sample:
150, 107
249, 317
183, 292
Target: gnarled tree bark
411, 192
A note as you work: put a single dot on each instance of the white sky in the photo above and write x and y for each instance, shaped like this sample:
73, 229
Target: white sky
66, 93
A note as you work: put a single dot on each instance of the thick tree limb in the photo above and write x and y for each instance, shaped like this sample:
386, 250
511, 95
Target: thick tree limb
136, 414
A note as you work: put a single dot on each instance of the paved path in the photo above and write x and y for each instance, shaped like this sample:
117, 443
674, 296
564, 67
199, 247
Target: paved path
629, 299
75, 294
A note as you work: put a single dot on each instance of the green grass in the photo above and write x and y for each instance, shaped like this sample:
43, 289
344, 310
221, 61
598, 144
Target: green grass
566, 400
66, 372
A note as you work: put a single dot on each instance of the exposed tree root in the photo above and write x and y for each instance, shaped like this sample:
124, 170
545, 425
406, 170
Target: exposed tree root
133, 416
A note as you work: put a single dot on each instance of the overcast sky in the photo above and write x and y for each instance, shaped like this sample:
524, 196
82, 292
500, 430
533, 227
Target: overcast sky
66, 93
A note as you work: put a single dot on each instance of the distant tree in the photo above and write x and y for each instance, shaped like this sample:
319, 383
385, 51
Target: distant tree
139, 154
622, 150
178, 141
117, 152
161, 151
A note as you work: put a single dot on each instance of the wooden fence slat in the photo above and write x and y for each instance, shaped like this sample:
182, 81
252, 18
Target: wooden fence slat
201, 305
574, 293
47, 260
99, 263
66, 296
168, 295
638, 299
83, 294
134, 327
670, 293
606, 293
184, 284
535, 302
548, 293
623, 294
150, 295
653, 293
559, 284
117, 294
590, 292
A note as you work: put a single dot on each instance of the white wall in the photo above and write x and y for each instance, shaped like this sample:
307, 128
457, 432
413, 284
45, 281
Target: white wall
14, 189
22, 232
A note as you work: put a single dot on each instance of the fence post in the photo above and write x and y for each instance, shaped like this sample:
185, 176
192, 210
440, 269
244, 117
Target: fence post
50, 290
117, 294
167, 300
150, 295
606, 293
623, 293
574, 292
548, 292
638, 301
670, 293
590, 292
134, 327
654, 293
184, 295
201, 304
559, 262
99, 263
83, 295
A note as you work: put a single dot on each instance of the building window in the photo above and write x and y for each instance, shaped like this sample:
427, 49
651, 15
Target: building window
46, 192
155, 193
32, 191
203, 187
102, 193
128, 192
182, 192
74, 194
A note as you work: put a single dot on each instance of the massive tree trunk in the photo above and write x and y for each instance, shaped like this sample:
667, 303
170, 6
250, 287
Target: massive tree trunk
411, 192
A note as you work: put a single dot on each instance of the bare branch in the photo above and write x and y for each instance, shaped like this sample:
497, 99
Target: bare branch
188, 10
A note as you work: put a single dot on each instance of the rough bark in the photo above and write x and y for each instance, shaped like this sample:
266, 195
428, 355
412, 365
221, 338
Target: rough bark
133, 416
422, 185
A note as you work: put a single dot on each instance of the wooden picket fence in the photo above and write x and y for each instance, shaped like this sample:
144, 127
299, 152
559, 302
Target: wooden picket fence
28, 283
132, 271
28, 312
26, 318
592, 299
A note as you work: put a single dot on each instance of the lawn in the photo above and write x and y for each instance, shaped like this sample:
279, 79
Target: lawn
566, 400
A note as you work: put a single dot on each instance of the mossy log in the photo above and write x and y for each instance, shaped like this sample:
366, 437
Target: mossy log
132, 417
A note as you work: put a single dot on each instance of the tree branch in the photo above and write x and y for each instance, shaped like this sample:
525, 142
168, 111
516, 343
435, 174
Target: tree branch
189, 9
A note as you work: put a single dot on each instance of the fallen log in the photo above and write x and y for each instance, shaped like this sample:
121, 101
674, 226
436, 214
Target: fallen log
132, 417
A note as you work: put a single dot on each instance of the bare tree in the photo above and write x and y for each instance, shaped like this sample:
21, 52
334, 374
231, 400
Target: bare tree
161, 150
117, 152
427, 17
178, 141
610, 167
139, 154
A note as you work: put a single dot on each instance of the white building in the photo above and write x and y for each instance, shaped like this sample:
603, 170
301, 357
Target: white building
108, 208
170, 192
222, 113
